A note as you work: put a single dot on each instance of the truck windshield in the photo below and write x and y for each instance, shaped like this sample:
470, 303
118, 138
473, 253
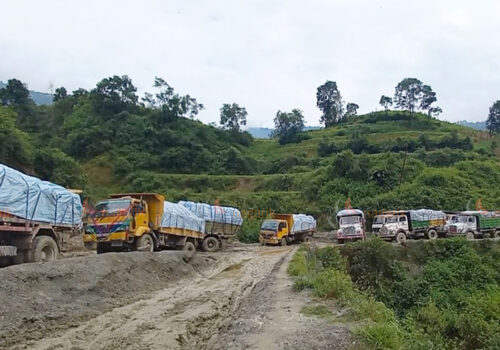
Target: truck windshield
112, 206
269, 225
391, 219
378, 220
349, 220
457, 219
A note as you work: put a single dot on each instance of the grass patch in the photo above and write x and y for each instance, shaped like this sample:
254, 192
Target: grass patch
316, 310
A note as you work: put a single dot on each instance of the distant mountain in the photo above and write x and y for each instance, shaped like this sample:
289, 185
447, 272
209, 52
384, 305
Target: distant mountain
473, 125
40, 98
265, 133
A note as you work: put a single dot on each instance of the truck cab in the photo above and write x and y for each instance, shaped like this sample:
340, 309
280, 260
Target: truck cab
119, 223
460, 224
274, 231
390, 225
351, 225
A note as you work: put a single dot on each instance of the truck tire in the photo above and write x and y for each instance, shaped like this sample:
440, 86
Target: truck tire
283, 242
211, 244
432, 234
44, 249
469, 235
496, 234
190, 249
145, 243
401, 237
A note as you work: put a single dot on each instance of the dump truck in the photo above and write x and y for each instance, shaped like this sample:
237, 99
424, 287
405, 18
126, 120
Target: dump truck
35, 217
473, 224
403, 224
221, 223
351, 225
287, 228
143, 222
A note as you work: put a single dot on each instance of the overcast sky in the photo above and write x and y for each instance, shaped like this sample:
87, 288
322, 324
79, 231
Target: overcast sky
265, 55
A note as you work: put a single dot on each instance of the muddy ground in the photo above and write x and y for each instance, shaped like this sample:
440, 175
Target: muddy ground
240, 298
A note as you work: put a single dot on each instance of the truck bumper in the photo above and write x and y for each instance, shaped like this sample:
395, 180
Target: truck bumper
115, 236
350, 238
8, 250
273, 240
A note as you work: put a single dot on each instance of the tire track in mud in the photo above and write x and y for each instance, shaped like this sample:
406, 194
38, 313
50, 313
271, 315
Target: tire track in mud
185, 316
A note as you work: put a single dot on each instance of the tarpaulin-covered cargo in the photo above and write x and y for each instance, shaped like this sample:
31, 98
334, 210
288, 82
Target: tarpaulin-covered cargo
32, 199
302, 222
219, 220
177, 216
349, 212
423, 218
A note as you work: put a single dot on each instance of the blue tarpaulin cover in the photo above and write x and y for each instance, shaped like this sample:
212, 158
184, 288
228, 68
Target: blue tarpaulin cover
176, 215
214, 213
33, 199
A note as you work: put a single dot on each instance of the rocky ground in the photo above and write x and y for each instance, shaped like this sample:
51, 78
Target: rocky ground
240, 298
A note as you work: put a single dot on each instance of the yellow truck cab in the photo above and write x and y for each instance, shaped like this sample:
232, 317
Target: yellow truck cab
286, 228
125, 221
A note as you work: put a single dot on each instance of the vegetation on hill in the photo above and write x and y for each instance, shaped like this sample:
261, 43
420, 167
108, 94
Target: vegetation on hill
108, 139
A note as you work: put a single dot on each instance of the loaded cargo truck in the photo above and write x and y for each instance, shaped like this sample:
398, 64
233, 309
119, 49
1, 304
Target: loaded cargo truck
287, 228
473, 224
351, 225
144, 222
404, 224
221, 223
35, 216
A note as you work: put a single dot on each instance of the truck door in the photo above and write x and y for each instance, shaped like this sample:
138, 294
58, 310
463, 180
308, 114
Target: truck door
403, 223
282, 229
471, 223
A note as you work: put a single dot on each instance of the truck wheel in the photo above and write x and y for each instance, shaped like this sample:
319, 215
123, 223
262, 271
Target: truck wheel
45, 249
190, 250
23, 256
211, 244
283, 242
432, 234
469, 236
401, 237
145, 243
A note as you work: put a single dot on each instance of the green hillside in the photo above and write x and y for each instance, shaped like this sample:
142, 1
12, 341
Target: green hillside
105, 140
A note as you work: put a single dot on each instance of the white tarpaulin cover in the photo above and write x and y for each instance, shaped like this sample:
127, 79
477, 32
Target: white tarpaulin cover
215, 213
348, 212
33, 199
176, 215
302, 222
426, 214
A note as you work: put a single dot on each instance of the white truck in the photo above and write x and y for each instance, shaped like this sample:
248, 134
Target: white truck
351, 225
473, 224
403, 224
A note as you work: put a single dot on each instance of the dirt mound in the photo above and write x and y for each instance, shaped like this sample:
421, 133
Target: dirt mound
43, 298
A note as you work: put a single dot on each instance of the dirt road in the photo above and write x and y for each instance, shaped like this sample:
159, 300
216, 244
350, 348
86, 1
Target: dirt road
238, 299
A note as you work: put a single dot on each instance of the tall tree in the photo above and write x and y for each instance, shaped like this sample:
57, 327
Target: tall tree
287, 126
493, 122
351, 110
171, 104
386, 102
114, 94
407, 94
428, 97
60, 94
329, 101
232, 116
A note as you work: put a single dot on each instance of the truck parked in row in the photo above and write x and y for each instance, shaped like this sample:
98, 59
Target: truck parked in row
283, 229
351, 225
221, 223
473, 224
404, 224
35, 216
144, 222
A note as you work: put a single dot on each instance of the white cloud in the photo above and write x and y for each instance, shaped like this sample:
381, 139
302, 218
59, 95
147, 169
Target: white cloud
264, 55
